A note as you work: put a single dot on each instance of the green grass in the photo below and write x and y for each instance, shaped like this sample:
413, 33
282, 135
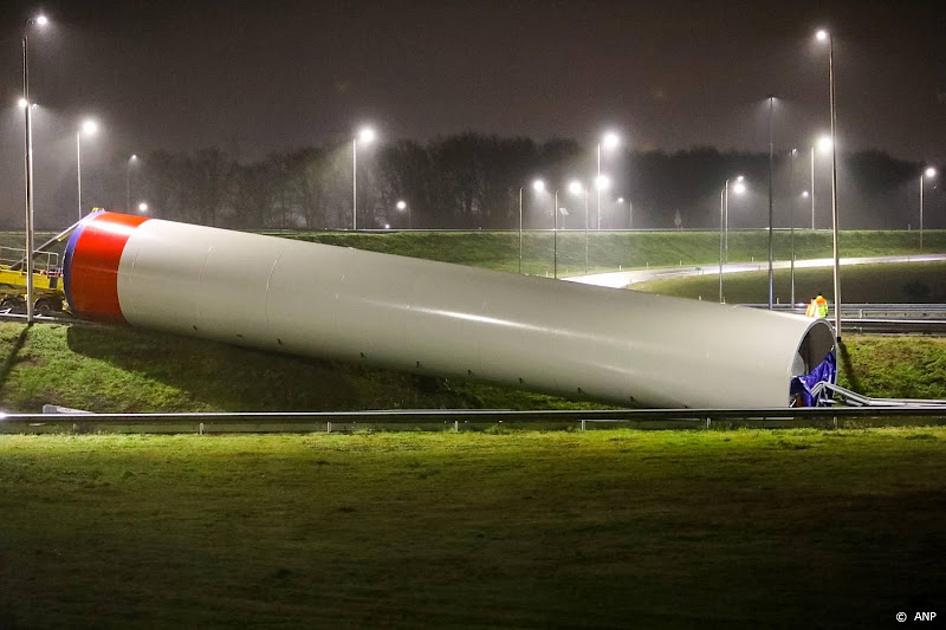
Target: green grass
604, 529
887, 283
122, 369
611, 250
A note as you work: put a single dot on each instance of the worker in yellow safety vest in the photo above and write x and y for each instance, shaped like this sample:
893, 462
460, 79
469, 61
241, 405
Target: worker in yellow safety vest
822, 304
818, 307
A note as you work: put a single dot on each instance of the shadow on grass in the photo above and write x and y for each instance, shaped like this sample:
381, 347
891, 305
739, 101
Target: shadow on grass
852, 377
199, 373
11, 358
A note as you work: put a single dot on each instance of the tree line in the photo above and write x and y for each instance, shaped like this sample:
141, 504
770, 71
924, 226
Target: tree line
473, 181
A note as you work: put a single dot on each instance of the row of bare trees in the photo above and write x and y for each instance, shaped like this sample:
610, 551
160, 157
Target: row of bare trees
472, 181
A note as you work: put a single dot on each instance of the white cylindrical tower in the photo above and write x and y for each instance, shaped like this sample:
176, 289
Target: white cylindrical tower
434, 318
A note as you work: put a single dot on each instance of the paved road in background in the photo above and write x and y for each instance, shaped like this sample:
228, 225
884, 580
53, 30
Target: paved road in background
622, 279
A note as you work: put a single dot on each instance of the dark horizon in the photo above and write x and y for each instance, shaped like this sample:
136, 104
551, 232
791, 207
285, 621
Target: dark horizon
252, 79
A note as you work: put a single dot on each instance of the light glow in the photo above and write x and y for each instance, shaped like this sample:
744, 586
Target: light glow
41, 20
602, 182
90, 127
805, 194
21, 103
610, 140
538, 186
739, 188
142, 207
401, 205
821, 35
930, 172
825, 144
575, 187
366, 135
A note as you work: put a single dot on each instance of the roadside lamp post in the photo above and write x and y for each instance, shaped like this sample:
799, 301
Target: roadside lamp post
602, 184
401, 205
366, 136
132, 161
825, 36
555, 235
576, 188
40, 21
89, 128
609, 141
771, 201
928, 173
538, 186
738, 187
791, 224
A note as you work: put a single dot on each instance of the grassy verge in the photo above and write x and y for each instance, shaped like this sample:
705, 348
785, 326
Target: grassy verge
887, 283
610, 250
122, 369
602, 529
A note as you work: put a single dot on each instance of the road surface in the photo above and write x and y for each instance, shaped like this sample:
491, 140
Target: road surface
623, 279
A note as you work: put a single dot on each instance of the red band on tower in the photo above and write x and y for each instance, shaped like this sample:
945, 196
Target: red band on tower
93, 269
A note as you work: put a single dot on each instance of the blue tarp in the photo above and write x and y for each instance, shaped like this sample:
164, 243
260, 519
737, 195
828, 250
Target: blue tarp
826, 371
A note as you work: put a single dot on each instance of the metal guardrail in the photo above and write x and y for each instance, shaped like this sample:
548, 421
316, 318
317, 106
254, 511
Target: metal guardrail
200, 422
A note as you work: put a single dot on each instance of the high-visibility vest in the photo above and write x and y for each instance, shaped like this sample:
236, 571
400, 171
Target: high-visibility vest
822, 305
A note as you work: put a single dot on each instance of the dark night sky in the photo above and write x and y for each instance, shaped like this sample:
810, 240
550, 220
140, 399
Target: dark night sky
256, 76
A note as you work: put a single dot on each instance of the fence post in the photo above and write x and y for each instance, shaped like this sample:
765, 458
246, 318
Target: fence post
582, 425
200, 429
456, 426
328, 426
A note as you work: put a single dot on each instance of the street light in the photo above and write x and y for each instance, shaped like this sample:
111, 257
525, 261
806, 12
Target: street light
142, 207
401, 206
610, 141
365, 135
577, 188
538, 186
90, 128
825, 36
131, 162
40, 21
928, 173
738, 188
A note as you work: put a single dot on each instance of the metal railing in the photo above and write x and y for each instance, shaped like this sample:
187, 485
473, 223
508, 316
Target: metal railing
295, 421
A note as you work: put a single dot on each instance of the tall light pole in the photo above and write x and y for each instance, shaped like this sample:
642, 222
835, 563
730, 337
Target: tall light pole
738, 187
812, 188
928, 173
576, 188
89, 128
825, 36
401, 205
555, 235
40, 21
539, 187
791, 223
609, 141
771, 203
366, 136
131, 162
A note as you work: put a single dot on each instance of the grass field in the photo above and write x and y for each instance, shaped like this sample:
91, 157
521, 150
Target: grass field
887, 283
603, 529
122, 369
611, 250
